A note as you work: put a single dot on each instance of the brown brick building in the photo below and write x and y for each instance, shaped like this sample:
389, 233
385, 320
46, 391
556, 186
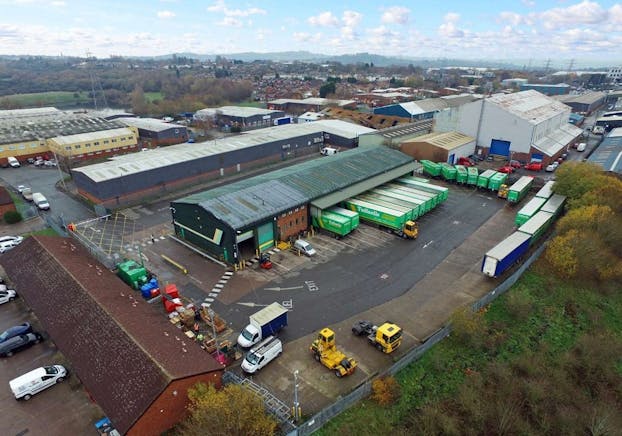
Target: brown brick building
6, 202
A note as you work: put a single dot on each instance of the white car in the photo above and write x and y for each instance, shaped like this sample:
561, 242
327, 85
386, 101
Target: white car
550, 168
6, 246
20, 188
15, 239
7, 295
304, 247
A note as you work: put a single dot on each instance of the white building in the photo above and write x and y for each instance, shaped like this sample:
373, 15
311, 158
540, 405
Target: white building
308, 117
615, 74
524, 126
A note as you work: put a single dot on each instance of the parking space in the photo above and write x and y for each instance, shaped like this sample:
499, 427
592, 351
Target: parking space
61, 409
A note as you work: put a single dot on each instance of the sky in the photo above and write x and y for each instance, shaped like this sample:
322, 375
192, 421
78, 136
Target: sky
573, 31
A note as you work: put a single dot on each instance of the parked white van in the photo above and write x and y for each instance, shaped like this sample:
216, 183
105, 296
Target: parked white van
581, 146
262, 354
13, 162
328, 151
25, 386
304, 247
40, 200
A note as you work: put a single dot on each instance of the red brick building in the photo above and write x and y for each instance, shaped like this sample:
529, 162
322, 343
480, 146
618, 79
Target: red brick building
6, 202
132, 361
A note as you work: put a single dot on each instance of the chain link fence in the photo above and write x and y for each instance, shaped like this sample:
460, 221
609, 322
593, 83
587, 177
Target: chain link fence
364, 390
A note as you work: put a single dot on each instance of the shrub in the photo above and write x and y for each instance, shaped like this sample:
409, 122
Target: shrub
385, 390
12, 217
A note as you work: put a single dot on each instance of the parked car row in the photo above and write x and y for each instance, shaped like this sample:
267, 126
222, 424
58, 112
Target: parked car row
9, 242
36, 197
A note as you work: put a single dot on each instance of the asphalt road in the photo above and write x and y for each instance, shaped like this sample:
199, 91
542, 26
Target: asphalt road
357, 281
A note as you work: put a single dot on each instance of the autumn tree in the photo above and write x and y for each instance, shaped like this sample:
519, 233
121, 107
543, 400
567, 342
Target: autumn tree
574, 179
230, 411
138, 100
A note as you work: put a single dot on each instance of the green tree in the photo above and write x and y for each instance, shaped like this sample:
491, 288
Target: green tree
326, 89
230, 411
574, 179
138, 100
12, 217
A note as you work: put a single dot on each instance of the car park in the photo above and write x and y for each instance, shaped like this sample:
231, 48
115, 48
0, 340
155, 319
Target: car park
534, 166
564, 156
7, 295
550, 168
515, 164
17, 330
17, 343
304, 247
475, 158
465, 161
20, 188
555, 164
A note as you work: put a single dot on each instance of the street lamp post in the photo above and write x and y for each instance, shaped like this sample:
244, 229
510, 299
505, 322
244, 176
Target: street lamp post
296, 403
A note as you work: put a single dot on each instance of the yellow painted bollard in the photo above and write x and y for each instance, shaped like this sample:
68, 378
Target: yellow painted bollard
172, 262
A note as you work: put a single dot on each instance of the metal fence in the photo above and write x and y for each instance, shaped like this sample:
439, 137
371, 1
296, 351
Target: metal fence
364, 390
56, 223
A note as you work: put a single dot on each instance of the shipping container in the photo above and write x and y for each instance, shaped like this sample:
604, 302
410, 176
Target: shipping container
390, 203
554, 205
390, 218
484, 178
431, 168
473, 175
461, 174
519, 190
505, 254
402, 200
537, 225
529, 210
354, 217
419, 179
337, 224
546, 191
414, 191
497, 180
428, 187
448, 172
424, 205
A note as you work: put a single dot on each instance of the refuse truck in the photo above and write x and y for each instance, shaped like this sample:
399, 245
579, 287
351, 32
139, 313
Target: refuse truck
268, 321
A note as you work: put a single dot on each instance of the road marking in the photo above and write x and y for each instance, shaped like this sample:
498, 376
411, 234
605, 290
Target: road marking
218, 285
283, 289
216, 290
311, 286
209, 299
252, 304
195, 279
427, 243
229, 273
212, 294
222, 282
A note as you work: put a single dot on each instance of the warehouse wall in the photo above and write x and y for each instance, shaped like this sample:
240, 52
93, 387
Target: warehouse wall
291, 223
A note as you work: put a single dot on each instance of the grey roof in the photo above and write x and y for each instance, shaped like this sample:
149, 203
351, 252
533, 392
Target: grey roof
587, 98
92, 136
17, 114
59, 124
124, 165
609, 152
261, 197
152, 124
313, 101
235, 111
553, 142
405, 131
529, 105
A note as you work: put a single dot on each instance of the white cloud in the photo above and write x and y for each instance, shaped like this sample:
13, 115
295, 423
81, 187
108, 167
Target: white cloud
528, 3
229, 22
615, 14
511, 17
165, 14
395, 15
307, 37
351, 20
448, 28
220, 6
586, 12
58, 4
324, 19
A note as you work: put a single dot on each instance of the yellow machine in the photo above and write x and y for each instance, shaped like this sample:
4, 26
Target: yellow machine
385, 338
503, 191
325, 351
411, 229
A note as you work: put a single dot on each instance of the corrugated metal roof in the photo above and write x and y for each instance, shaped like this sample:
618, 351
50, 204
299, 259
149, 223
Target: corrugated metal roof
268, 194
313, 100
446, 140
124, 165
152, 124
552, 143
92, 136
609, 152
529, 105
235, 111
587, 98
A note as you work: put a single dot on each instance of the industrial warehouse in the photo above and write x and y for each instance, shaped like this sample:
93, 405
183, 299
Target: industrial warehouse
237, 221
131, 177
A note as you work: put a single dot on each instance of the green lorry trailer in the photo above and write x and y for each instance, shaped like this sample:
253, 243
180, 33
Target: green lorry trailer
383, 216
442, 192
529, 210
431, 168
519, 190
332, 222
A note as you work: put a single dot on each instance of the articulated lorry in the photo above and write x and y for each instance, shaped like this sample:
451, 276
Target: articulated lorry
268, 321
324, 350
519, 190
392, 219
507, 252
441, 192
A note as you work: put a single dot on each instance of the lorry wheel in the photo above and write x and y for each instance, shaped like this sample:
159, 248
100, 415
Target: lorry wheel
317, 357
338, 373
27, 397
379, 347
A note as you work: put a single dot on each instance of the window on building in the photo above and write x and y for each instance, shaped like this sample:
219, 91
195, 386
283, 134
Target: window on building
95, 143
1, 148
106, 141
68, 147
34, 145
79, 146
88, 145
11, 147
113, 140
22, 146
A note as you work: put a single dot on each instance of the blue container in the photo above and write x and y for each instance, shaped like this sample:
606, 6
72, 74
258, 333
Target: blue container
146, 289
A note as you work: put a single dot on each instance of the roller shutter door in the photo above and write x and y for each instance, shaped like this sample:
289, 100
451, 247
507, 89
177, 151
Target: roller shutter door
500, 148
265, 235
